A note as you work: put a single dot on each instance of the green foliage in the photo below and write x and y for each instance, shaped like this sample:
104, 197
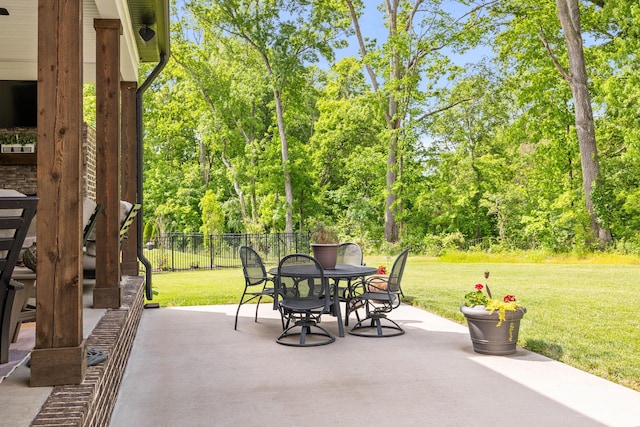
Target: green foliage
212, 215
481, 157
474, 298
89, 104
150, 231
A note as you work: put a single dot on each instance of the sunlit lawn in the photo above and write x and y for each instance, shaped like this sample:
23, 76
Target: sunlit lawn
583, 312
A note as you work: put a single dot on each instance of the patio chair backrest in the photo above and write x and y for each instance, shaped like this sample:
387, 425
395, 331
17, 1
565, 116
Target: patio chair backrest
349, 253
396, 272
91, 224
307, 281
252, 266
302, 295
16, 214
131, 216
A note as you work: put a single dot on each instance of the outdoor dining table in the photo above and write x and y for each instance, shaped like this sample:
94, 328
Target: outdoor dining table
341, 271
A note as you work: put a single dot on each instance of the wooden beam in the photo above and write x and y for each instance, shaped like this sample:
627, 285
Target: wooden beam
60, 355
8, 159
107, 291
129, 163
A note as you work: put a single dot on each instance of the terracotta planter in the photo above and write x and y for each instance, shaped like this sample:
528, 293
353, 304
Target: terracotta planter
326, 254
486, 337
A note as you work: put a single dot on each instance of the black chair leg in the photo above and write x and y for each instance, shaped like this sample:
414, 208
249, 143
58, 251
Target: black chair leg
306, 324
242, 301
257, 307
376, 329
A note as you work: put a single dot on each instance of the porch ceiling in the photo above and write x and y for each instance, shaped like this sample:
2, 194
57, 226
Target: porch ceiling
19, 36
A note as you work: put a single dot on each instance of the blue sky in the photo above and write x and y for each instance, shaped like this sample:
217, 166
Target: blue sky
372, 26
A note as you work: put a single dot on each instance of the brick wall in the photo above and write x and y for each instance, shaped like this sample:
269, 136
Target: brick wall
91, 403
21, 178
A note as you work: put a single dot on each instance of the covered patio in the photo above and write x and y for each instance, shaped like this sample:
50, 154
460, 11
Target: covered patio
61, 46
187, 366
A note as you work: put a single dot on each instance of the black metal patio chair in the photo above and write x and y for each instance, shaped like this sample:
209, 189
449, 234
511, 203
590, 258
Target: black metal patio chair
16, 214
348, 253
302, 294
379, 295
257, 284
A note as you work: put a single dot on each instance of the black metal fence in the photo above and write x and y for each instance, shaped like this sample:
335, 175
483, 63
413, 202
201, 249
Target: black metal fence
190, 251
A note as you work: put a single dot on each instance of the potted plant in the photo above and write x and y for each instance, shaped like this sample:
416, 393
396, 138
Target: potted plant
493, 323
324, 244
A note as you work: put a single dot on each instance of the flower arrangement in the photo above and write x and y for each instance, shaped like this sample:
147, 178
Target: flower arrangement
478, 298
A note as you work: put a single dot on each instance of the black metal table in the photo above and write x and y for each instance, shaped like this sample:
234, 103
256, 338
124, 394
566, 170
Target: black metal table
342, 271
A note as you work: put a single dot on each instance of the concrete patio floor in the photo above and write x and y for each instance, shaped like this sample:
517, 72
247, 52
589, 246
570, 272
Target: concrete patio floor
188, 367
19, 403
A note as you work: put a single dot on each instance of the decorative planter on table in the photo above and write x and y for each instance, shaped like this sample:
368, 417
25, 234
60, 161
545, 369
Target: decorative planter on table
486, 337
326, 254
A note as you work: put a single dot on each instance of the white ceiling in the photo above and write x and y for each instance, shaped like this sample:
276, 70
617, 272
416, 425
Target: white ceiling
19, 39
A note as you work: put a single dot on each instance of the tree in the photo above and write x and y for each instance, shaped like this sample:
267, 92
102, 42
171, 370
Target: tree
212, 214
231, 85
286, 34
347, 152
569, 15
405, 72
534, 49
470, 163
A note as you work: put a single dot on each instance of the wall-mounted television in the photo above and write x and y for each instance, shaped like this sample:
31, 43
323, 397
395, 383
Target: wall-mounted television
18, 104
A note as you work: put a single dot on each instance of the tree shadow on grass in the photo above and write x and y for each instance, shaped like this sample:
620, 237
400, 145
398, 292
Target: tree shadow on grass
550, 350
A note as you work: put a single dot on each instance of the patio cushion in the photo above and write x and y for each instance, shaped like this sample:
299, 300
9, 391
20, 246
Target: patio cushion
88, 262
29, 257
88, 207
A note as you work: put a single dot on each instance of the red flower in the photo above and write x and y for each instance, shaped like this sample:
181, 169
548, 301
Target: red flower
509, 298
479, 287
382, 269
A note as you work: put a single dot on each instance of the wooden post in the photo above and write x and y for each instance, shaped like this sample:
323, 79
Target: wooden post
107, 292
60, 354
129, 166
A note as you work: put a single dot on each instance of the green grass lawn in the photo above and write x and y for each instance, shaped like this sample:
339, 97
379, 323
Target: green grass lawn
583, 312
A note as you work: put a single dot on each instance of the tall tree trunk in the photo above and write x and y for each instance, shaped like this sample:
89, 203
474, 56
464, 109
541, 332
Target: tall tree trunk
285, 163
204, 165
394, 123
569, 16
390, 222
391, 117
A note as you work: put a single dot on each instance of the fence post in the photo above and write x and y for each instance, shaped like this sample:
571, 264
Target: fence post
278, 245
211, 251
173, 267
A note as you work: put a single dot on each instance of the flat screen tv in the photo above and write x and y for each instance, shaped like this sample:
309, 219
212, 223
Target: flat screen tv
18, 104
